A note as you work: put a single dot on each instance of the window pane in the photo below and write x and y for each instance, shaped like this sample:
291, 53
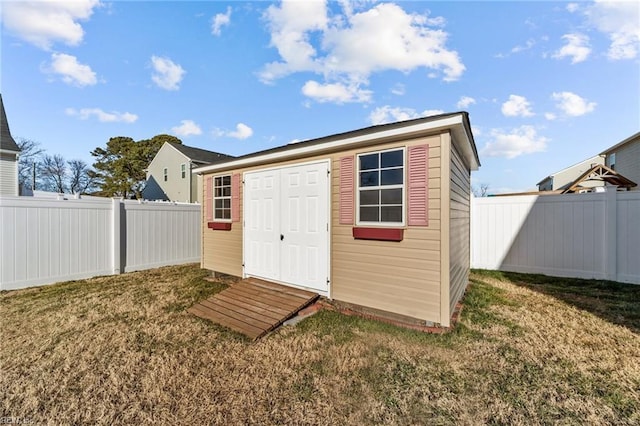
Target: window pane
369, 214
218, 181
226, 180
391, 177
226, 203
219, 204
226, 214
391, 196
226, 191
218, 192
369, 198
368, 162
391, 214
391, 159
218, 214
369, 178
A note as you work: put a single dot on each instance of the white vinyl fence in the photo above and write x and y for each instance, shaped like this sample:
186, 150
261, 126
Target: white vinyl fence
43, 241
593, 235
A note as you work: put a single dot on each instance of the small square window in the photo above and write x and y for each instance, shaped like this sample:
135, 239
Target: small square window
222, 197
381, 187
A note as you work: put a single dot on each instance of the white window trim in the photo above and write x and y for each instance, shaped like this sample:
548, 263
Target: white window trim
214, 198
403, 186
183, 170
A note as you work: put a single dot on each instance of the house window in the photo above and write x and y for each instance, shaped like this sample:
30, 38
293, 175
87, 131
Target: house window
222, 198
611, 161
183, 170
381, 187
165, 172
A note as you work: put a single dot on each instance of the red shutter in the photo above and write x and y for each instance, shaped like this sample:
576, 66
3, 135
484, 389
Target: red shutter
208, 198
418, 188
347, 198
235, 197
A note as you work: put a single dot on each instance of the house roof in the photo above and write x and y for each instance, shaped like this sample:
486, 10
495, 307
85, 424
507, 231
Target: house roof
457, 123
601, 172
618, 145
7, 143
200, 155
590, 160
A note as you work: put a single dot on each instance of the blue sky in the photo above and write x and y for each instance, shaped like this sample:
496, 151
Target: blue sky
547, 84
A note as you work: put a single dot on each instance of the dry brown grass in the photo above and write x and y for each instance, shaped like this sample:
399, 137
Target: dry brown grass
122, 349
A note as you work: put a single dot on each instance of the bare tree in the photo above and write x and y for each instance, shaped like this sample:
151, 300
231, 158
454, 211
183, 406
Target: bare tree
481, 191
81, 179
30, 155
53, 170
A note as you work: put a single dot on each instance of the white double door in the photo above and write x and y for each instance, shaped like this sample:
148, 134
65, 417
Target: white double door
286, 228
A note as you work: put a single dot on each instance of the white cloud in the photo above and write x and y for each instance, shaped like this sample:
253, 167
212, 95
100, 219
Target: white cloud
519, 141
517, 106
573, 7
242, 132
187, 128
71, 71
102, 116
167, 74
388, 114
42, 23
348, 47
572, 104
577, 48
619, 20
335, 92
465, 102
219, 21
398, 89
550, 116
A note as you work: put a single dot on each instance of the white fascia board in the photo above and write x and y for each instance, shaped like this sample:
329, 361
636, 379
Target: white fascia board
444, 123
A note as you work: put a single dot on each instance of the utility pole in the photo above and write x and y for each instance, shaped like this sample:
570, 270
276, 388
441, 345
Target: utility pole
33, 180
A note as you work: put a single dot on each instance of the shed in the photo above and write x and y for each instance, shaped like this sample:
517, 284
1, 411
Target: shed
376, 218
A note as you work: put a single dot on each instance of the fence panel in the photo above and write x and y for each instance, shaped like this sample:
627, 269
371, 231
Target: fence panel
595, 235
45, 241
159, 234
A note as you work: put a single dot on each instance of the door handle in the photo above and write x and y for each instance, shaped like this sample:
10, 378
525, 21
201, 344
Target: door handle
281, 237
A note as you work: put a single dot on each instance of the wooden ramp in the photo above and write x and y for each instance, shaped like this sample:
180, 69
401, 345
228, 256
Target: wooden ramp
253, 307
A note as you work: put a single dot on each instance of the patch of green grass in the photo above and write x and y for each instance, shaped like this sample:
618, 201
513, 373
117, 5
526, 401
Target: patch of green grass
613, 301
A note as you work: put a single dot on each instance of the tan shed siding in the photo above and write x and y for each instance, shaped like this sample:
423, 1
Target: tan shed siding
399, 277
459, 228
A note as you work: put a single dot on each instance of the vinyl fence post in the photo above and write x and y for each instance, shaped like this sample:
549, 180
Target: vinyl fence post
117, 224
611, 232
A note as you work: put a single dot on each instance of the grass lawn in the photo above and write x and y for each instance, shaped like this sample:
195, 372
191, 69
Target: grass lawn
122, 349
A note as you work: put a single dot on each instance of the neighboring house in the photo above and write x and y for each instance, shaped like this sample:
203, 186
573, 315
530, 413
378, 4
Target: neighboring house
624, 158
169, 176
9, 152
376, 219
566, 177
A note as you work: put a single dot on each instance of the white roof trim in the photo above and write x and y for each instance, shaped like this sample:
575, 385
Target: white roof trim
444, 123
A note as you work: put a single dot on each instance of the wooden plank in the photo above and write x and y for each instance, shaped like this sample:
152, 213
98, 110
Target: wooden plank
270, 295
228, 322
253, 307
244, 304
281, 288
214, 305
247, 298
245, 313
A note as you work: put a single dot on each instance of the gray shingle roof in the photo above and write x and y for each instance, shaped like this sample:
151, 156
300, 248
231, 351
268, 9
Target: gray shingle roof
201, 155
6, 140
